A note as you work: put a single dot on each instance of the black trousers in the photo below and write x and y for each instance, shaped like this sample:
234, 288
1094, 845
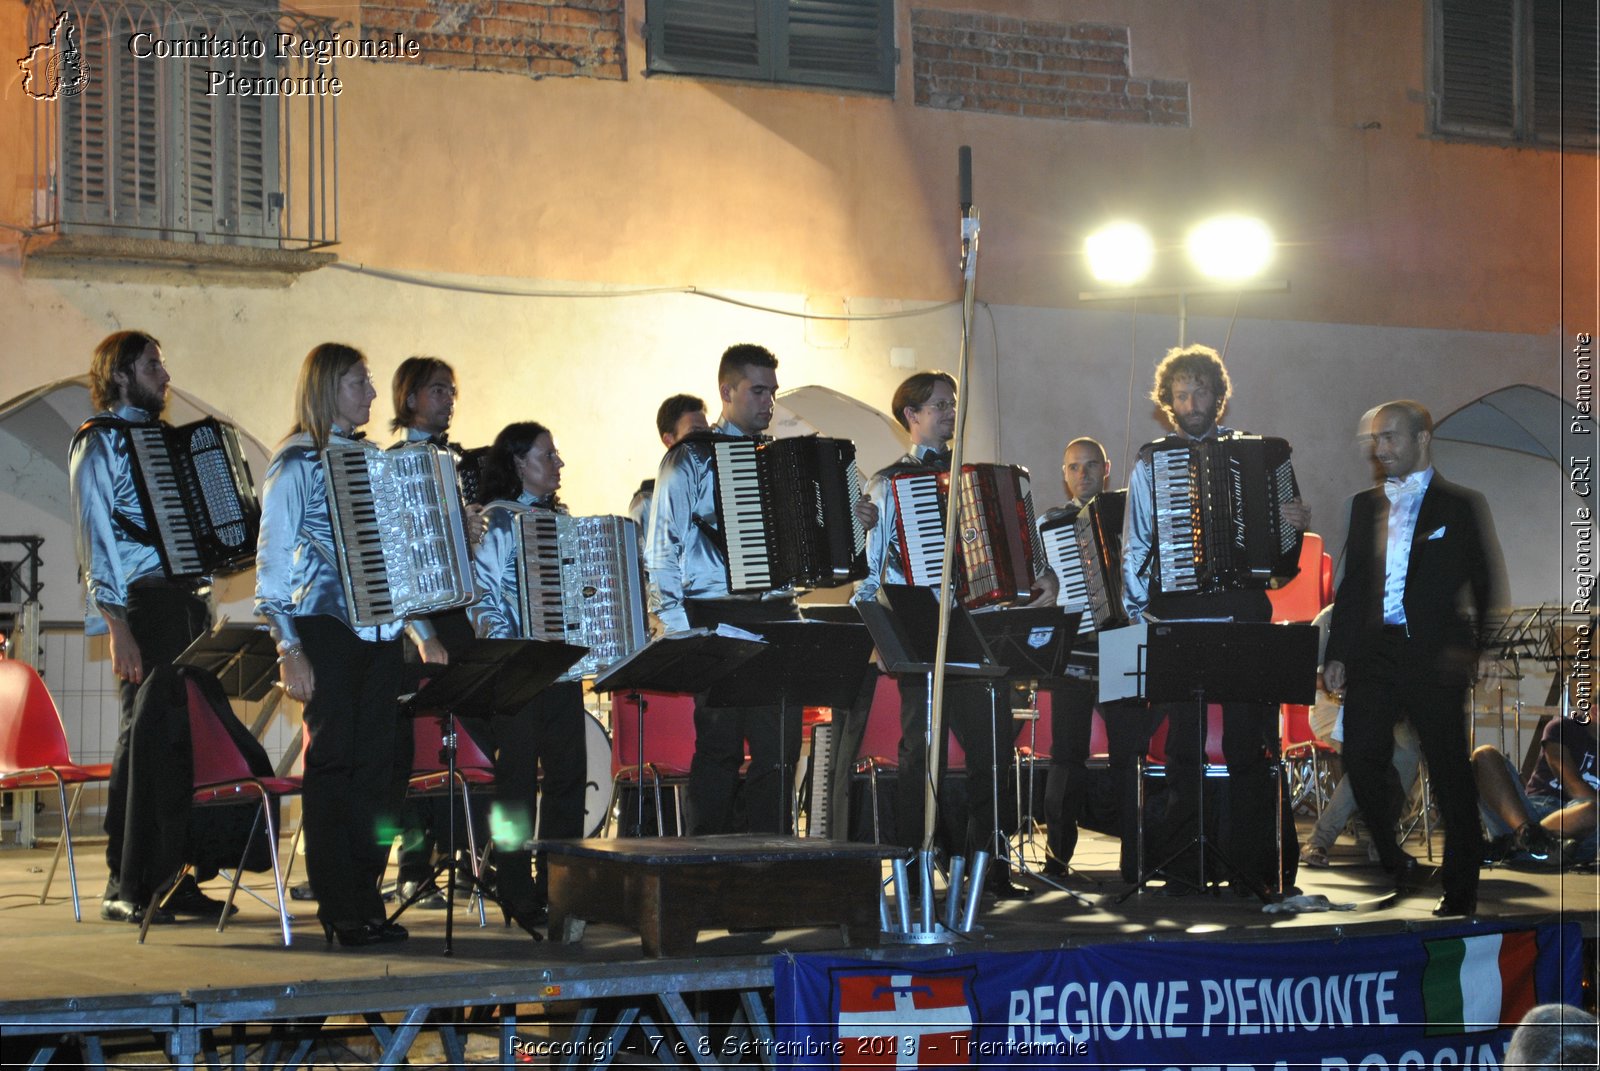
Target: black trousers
547, 734
721, 731
1071, 719
164, 619
1249, 747
1391, 678
976, 724
355, 767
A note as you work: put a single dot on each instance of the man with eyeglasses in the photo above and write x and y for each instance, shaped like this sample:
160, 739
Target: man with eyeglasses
925, 405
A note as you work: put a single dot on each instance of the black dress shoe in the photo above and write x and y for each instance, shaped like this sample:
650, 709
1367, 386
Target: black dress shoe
189, 900
360, 934
531, 916
1054, 868
1411, 876
128, 911
1001, 887
1456, 905
427, 898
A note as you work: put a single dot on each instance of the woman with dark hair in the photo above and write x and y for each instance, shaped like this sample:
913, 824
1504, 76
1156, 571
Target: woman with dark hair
347, 677
522, 473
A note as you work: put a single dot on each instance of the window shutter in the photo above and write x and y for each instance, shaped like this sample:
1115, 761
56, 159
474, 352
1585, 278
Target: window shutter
838, 43
708, 37
1477, 93
110, 143
1565, 61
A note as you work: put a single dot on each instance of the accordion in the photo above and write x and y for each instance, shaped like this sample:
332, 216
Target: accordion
786, 512
999, 540
1085, 550
198, 499
579, 581
398, 526
469, 473
1218, 510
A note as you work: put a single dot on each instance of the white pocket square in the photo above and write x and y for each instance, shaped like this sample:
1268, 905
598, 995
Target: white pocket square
1437, 533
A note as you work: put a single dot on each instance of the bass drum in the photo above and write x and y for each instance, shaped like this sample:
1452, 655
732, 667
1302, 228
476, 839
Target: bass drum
597, 785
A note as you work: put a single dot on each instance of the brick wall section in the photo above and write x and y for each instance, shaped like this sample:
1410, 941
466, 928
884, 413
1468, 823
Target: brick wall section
539, 38
964, 61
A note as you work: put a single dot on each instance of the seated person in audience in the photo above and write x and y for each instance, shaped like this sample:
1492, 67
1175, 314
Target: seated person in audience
1553, 815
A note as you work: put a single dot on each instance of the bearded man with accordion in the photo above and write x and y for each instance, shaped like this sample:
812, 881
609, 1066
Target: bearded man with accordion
1176, 566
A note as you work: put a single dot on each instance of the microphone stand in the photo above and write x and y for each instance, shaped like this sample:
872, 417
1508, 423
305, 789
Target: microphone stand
969, 271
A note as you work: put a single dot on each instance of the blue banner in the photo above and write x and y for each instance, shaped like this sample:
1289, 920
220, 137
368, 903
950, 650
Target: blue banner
1441, 998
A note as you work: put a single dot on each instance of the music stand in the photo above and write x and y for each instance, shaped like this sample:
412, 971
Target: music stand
812, 663
679, 663
244, 659
482, 679
1032, 642
1202, 662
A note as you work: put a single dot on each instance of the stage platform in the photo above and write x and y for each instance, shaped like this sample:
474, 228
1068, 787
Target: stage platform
83, 992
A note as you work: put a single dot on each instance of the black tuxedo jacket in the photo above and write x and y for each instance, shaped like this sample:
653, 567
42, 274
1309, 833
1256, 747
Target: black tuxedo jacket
1455, 575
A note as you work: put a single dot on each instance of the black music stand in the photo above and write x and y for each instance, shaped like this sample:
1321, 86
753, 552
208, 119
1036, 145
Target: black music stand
808, 662
1230, 662
244, 659
482, 679
1032, 642
679, 663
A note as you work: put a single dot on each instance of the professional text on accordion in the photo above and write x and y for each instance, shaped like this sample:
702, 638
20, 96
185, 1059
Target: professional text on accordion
999, 545
1219, 513
786, 512
398, 526
198, 499
1085, 550
579, 581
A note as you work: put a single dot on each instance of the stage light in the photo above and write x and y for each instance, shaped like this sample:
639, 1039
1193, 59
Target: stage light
1230, 247
1120, 253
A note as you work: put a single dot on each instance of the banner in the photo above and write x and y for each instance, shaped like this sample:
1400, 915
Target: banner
1441, 998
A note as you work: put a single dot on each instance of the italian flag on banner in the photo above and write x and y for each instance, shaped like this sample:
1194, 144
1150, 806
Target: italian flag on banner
1478, 983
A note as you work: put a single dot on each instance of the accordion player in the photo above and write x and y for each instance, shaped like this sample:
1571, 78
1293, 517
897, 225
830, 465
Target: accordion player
1000, 555
579, 581
195, 489
1085, 550
1219, 513
786, 512
399, 530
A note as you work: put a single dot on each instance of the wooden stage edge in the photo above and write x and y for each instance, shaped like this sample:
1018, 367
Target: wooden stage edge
93, 976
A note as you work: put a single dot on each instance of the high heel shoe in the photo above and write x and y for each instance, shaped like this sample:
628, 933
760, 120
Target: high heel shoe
531, 916
360, 934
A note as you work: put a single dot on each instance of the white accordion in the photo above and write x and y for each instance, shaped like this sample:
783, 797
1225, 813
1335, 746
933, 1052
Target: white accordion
398, 526
579, 581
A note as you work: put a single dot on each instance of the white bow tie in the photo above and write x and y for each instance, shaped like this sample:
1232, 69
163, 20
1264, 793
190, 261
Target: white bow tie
1403, 487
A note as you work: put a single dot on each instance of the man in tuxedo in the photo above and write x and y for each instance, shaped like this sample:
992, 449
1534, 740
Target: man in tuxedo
1402, 645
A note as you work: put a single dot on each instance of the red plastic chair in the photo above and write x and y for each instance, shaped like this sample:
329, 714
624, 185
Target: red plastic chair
223, 776
1304, 596
430, 777
34, 754
662, 755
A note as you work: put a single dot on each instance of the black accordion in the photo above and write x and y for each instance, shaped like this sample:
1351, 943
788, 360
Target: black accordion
786, 512
1085, 550
999, 548
398, 526
1219, 513
579, 581
198, 499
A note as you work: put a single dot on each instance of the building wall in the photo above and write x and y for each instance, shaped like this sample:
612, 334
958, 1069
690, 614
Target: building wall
1416, 266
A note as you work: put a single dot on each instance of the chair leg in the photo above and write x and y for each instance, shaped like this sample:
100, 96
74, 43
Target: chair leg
277, 876
68, 813
238, 873
66, 839
294, 851
472, 851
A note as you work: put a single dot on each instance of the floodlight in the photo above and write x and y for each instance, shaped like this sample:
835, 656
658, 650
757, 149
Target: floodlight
1120, 253
1230, 247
